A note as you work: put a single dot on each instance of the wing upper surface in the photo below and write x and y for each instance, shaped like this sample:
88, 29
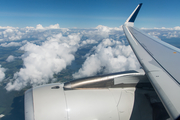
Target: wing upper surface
165, 55
161, 64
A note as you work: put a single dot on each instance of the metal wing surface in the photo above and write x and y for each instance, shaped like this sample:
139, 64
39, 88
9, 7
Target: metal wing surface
160, 61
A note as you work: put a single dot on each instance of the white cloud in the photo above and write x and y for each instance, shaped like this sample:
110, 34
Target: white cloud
110, 56
41, 62
177, 28
9, 30
29, 27
11, 34
56, 26
155, 34
108, 29
103, 28
39, 26
11, 44
8, 27
88, 41
72, 39
174, 34
10, 58
1, 115
2, 74
101, 32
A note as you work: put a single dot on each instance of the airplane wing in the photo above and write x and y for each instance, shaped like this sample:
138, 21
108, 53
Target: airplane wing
161, 63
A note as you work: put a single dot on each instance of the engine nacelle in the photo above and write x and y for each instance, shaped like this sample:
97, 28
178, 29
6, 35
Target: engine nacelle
107, 97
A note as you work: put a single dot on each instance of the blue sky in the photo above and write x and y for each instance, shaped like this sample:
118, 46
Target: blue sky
88, 13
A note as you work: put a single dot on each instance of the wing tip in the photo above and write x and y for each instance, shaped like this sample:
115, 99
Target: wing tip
134, 14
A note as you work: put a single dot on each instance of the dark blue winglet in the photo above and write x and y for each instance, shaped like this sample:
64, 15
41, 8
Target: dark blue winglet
133, 17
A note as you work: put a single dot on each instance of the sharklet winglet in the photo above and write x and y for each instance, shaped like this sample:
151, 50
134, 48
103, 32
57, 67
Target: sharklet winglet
134, 14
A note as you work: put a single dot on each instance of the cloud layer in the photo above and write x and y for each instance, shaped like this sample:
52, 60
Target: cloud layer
163, 32
49, 50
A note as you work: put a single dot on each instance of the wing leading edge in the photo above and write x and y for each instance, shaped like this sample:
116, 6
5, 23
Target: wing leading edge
160, 61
